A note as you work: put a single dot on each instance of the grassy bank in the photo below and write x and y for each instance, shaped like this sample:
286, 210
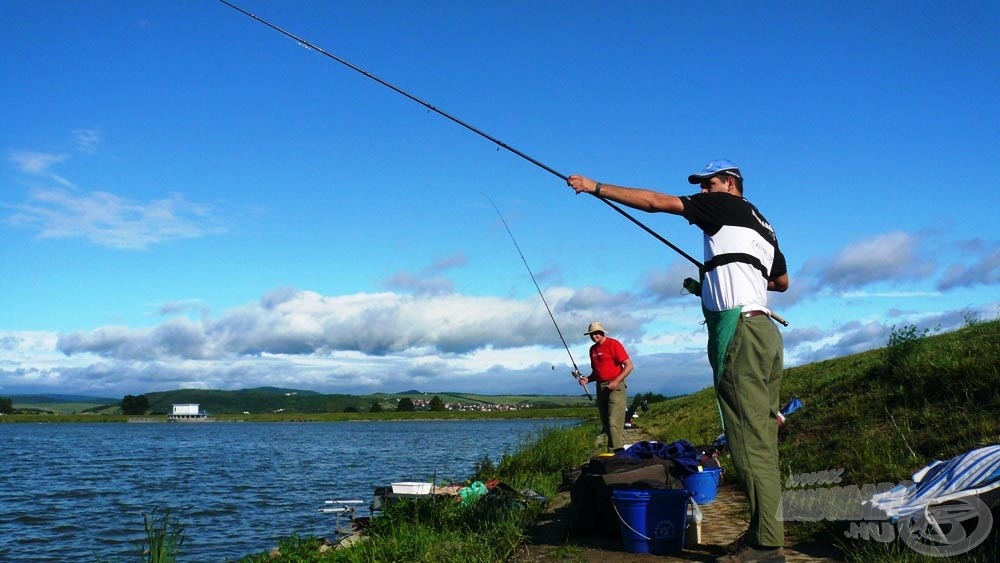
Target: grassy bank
878, 416
882, 415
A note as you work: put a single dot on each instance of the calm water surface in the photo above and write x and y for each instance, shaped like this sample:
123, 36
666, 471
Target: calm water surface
78, 492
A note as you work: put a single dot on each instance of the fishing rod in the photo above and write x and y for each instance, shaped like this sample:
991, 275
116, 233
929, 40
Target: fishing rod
479, 132
446, 115
576, 370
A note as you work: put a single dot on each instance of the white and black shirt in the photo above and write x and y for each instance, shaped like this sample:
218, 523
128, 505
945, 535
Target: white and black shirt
741, 251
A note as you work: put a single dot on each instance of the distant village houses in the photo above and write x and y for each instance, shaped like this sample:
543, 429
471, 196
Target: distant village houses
422, 405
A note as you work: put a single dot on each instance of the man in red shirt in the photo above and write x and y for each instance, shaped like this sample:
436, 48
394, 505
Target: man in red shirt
609, 366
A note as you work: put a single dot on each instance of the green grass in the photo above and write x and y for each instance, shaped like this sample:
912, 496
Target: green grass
164, 537
66, 408
879, 416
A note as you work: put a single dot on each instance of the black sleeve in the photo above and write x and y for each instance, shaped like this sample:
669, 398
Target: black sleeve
706, 210
778, 267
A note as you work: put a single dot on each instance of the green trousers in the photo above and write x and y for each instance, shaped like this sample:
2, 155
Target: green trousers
612, 405
748, 398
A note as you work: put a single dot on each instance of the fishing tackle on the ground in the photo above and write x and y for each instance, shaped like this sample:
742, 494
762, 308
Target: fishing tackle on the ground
576, 370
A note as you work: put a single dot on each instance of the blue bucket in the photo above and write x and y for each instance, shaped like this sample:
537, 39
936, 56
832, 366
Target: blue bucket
651, 520
703, 485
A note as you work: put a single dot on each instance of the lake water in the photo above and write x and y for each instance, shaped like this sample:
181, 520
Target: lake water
78, 492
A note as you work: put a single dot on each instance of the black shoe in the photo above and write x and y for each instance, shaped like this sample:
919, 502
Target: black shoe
749, 554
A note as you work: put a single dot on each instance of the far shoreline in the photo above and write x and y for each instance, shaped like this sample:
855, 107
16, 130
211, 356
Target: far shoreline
393, 416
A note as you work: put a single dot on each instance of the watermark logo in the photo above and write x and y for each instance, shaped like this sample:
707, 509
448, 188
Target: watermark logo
949, 529
941, 530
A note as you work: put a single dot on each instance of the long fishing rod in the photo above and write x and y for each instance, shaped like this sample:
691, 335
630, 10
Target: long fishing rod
490, 138
444, 114
576, 370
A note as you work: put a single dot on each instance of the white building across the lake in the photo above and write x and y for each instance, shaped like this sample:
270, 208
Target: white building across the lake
190, 412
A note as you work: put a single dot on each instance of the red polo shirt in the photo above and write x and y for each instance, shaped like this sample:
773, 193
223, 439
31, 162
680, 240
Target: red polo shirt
606, 359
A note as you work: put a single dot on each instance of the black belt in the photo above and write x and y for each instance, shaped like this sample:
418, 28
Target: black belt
756, 313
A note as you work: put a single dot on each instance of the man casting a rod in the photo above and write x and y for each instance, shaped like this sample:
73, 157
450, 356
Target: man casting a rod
742, 263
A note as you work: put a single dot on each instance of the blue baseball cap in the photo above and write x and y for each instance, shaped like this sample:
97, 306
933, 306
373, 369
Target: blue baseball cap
715, 168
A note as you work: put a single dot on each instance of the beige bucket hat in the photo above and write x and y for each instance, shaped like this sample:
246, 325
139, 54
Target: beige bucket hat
595, 327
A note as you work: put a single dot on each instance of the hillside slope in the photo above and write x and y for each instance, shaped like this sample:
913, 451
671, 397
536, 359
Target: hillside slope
878, 416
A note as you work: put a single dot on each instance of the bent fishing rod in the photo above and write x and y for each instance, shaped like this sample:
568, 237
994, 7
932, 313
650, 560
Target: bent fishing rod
576, 370
469, 127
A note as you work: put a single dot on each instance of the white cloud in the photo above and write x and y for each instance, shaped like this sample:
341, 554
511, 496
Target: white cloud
889, 294
370, 342
668, 284
106, 219
37, 163
448, 263
983, 270
420, 285
349, 343
428, 281
293, 322
100, 217
87, 139
893, 256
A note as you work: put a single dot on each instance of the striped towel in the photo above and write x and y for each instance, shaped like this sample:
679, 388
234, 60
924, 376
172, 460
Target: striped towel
971, 473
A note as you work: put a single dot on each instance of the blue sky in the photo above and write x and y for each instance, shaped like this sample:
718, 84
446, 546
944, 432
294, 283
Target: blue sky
190, 199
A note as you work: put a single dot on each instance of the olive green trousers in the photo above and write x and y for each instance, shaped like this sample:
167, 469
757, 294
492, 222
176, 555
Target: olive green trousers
748, 398
612, 405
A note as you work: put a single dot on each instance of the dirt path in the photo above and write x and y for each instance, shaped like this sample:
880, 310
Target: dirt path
724, 520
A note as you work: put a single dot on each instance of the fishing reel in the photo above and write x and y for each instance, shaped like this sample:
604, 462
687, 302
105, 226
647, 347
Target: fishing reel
692, 286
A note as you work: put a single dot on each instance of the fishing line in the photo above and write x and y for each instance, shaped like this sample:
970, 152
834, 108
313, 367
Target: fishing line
576, 370
444, 114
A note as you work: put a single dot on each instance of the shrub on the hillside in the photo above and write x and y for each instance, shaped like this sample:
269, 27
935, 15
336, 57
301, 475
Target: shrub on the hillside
904, 343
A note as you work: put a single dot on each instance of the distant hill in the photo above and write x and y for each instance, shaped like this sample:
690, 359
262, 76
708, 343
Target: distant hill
40, 399
258, 400
273, 399
277, 399
55, 403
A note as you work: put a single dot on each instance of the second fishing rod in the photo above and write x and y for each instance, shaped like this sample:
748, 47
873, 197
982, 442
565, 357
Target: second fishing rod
576, 370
